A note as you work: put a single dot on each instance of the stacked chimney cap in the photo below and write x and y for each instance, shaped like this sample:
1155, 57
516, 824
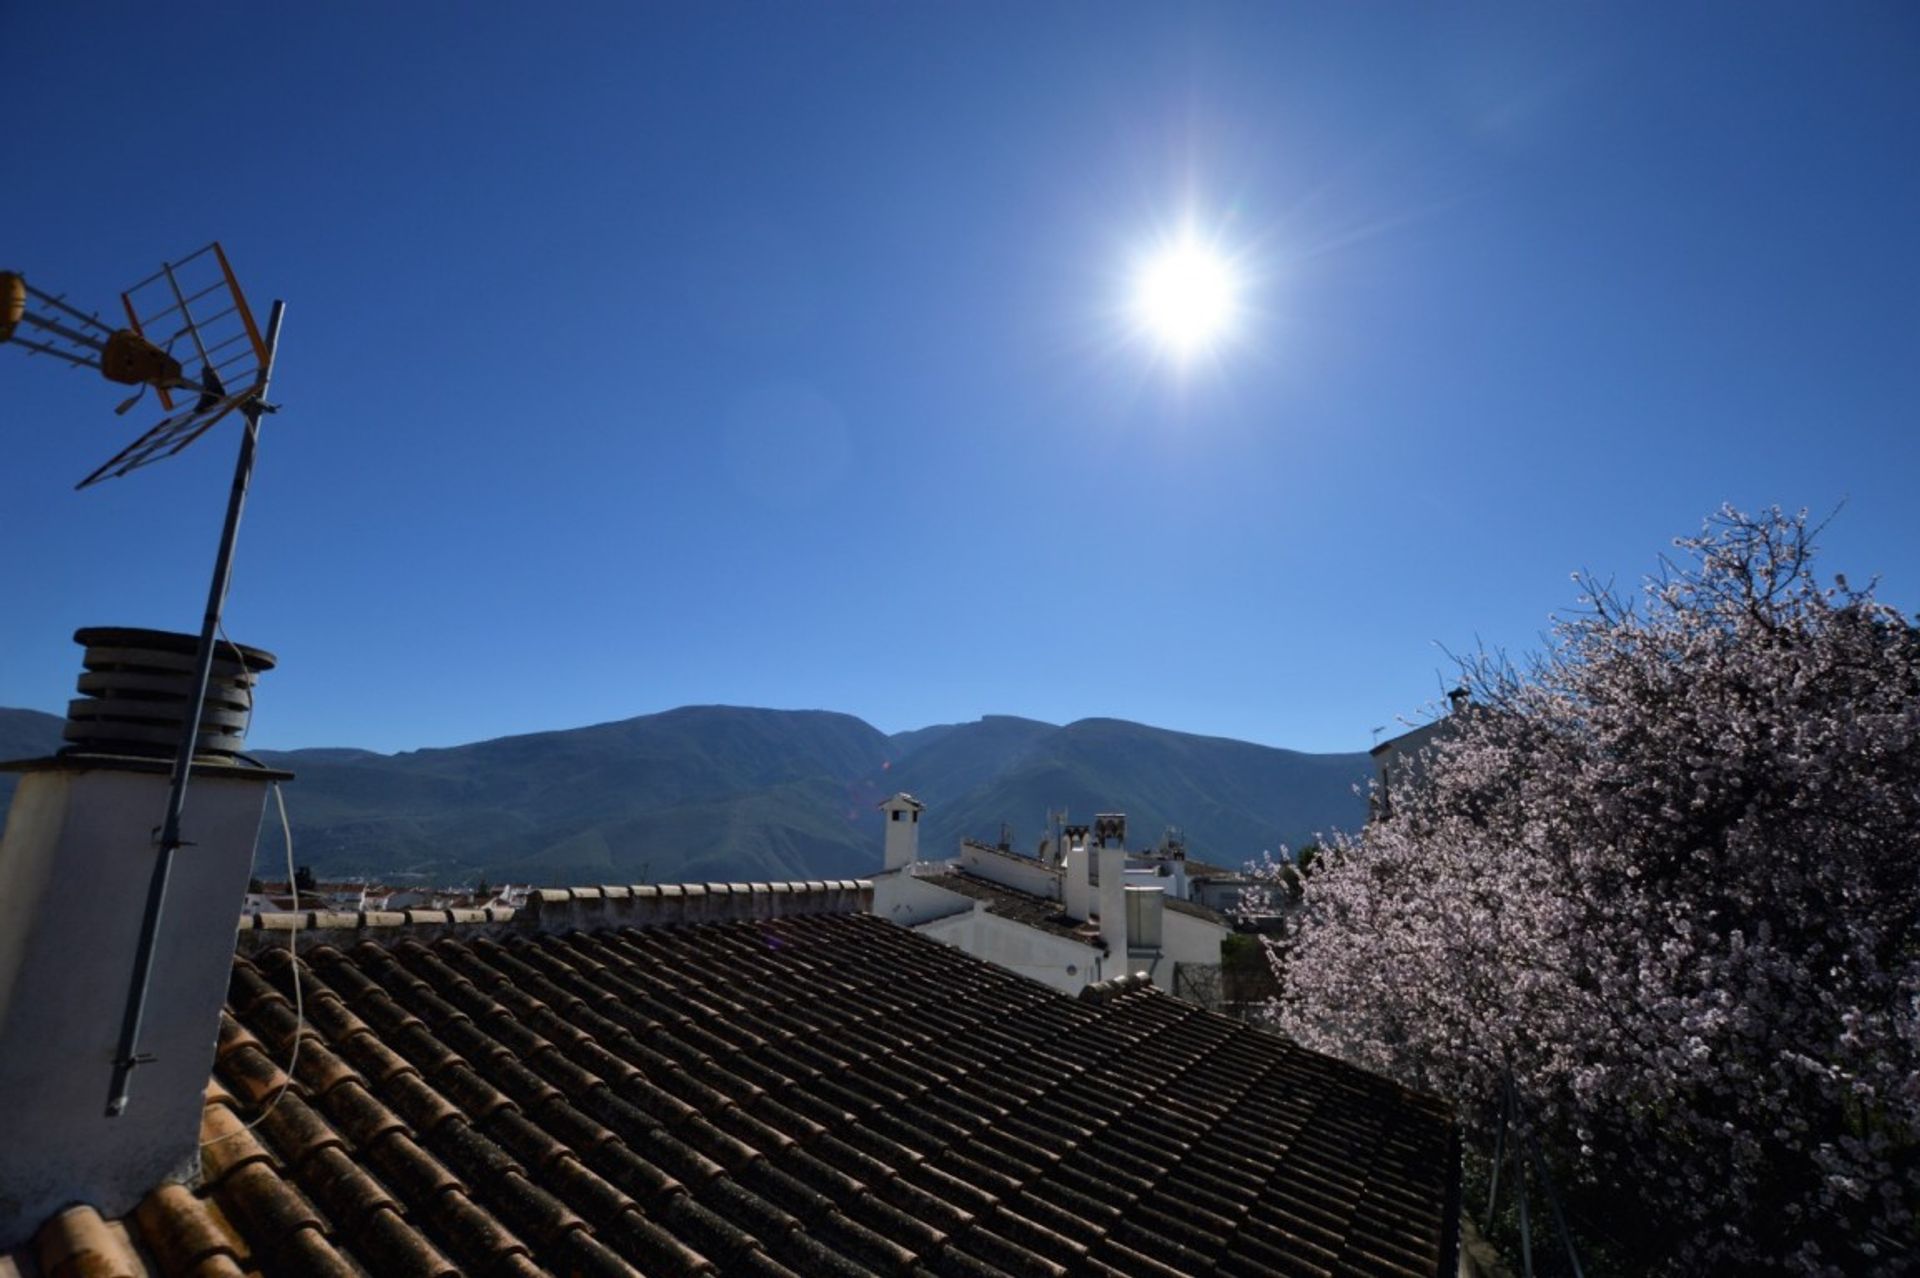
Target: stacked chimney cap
137, 686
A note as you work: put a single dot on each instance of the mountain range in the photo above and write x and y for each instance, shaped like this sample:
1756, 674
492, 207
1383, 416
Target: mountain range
733, 793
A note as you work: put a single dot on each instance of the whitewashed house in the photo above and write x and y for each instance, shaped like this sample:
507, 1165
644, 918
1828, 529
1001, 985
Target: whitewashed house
1090, 913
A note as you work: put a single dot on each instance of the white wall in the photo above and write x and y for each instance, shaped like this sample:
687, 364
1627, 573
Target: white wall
74, 867
1186, 939
1021, 873
1059, 961
908, 900
1077, 876
1112, 904
964, 923
903, 831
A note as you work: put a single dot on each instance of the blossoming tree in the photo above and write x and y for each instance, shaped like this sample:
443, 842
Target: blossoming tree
1665, 878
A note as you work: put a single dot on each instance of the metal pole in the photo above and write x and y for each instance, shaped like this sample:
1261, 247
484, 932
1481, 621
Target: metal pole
1559, 1217
1520, 1182
128, 1056
1499, 1151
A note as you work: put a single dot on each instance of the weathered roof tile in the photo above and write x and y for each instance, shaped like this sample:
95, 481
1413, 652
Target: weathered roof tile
77, 1243
801, 1094
182, 1232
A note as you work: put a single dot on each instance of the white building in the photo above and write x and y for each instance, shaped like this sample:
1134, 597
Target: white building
1398, 762
1248, 899
1091, 914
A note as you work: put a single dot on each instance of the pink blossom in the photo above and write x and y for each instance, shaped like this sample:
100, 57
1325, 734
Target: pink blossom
1669, 872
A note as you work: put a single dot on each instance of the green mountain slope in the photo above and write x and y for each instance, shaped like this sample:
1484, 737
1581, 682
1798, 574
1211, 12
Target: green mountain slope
24, 734
964, 756
698, 792
1232, 799
724, 792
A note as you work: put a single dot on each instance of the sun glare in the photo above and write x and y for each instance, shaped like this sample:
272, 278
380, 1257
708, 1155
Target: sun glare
1186, 296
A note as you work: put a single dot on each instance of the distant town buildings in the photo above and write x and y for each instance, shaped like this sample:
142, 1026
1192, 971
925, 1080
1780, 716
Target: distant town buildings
1085, 909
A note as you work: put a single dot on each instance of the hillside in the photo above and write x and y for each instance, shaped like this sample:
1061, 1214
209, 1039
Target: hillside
1232, 799
698, 792
25, 734
723, 792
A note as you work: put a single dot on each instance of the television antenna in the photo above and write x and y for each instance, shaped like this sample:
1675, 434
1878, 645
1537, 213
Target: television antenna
188, 315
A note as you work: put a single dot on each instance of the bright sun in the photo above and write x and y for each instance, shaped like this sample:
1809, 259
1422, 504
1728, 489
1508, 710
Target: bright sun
1186, 296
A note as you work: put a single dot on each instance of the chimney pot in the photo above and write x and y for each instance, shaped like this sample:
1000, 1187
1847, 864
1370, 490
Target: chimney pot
138, 686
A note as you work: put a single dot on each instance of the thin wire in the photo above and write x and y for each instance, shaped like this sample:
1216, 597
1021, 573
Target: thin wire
293, 950
299, 1003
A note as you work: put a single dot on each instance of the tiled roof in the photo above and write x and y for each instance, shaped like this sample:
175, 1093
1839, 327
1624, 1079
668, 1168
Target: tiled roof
1208, 870
819, 1094
1042, 912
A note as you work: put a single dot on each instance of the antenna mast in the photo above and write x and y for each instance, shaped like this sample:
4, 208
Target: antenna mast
230, 350
128, 1056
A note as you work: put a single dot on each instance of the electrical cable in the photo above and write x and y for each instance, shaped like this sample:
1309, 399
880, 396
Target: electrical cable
293, 950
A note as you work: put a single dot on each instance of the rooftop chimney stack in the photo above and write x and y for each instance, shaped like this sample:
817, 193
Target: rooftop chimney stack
75, 861
903, 830
1110, 838
1078, 888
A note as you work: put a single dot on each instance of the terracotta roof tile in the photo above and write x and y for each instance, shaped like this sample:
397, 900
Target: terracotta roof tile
1077, 1217
806, 1254
1041, 912
805, 1199
77, 1243
286, 1234
1116, 1258
807, 1094
1021, 1223
1006, 1255
471, 1233
183, 1233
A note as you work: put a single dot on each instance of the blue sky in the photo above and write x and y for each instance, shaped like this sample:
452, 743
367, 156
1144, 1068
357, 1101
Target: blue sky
644, 355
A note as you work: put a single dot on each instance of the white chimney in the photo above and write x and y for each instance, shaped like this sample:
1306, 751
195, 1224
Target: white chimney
902, 815
1113, 910
76, 860
1078, 888
1110, 837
